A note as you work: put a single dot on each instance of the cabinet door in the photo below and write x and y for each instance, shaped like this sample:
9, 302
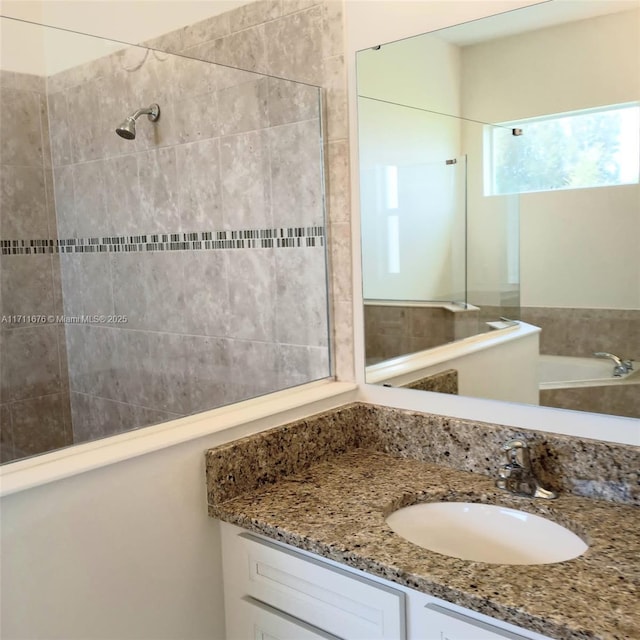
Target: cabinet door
265, 623
443, 624
341, 603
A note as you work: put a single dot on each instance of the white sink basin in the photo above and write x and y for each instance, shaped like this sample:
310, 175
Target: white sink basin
486, 533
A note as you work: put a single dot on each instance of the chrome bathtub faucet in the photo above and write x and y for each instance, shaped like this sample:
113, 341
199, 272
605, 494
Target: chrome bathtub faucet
621, 367
516, 475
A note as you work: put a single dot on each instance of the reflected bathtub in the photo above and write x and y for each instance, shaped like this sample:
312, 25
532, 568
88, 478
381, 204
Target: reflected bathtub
565, 372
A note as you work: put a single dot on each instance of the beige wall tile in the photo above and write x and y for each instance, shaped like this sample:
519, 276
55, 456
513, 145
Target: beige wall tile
60, 137
30, 366
332, 28
291, 102
39, 425
6, 428
296, 179
20, 129
23, 202
245, 50
148, 288
301, 302
255, 13
335, 85
294, 46
206, 30
340, 243
198, 188
245, 181
243, 107
27, 286
343, 339
338, 181
252, 285
301, 364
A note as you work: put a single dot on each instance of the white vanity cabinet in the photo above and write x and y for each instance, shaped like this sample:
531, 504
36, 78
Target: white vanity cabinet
442, 623
276, 592
324, 596
260, 622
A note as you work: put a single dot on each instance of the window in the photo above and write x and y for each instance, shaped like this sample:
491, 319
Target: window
592, 148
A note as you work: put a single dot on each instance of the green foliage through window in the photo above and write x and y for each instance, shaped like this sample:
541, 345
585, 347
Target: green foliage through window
592, 148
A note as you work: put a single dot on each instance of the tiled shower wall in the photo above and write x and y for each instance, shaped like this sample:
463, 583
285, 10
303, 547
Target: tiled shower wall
227, 317
396, 330
34, 394
222, 178
300, 40
581, 332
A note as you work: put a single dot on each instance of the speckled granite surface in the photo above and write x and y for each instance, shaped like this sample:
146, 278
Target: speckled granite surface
330, 496
583, 467
443, 382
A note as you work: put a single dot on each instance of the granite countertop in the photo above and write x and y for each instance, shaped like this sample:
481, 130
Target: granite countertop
336, 507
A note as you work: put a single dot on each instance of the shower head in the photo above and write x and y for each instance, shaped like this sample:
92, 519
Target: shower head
127, 129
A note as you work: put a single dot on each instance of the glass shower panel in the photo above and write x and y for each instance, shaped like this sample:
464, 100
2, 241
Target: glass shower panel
415, 247
413, 205
493, 230
413, 221
440, 259
167, 272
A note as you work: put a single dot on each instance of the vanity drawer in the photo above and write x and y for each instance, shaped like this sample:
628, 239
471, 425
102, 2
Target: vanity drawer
441, 623
336, 601
261, 622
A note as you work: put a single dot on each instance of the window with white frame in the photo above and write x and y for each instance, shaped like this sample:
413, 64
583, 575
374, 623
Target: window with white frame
590, 148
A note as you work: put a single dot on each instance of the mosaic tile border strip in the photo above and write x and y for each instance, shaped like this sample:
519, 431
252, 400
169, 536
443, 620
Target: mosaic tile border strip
278, 238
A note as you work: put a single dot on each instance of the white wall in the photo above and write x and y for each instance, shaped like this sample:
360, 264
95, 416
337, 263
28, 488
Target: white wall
127, 551
588, 63
422, 73
22, 44
570, 244
566, 236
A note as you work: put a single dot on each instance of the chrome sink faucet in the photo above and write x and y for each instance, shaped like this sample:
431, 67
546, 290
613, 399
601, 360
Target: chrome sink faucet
516, 475
621, 367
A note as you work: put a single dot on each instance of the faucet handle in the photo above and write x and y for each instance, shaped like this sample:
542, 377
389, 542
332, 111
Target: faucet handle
516, 452
516, 475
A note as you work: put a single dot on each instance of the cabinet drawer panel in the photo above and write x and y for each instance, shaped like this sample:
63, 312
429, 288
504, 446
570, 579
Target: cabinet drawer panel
336, 601
264, 623
443, 624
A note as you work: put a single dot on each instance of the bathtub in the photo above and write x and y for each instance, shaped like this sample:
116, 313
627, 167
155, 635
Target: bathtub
565, 372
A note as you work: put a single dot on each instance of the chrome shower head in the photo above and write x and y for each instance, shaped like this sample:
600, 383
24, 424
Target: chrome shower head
127, 129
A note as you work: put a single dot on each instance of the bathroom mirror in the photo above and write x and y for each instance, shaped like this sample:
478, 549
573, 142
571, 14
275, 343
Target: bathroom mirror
499, 164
